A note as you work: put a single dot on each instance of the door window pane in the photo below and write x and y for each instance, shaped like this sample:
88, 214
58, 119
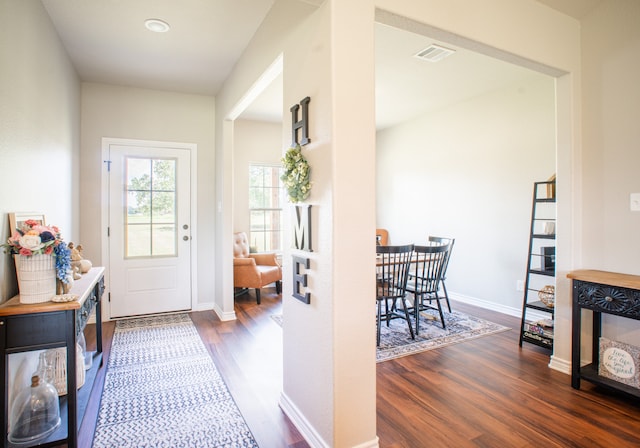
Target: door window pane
164, 239
150, 218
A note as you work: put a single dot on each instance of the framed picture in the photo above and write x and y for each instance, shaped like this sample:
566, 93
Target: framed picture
17, 219
548, 255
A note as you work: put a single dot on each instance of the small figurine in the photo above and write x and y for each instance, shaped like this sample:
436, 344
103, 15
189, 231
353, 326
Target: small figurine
77, 260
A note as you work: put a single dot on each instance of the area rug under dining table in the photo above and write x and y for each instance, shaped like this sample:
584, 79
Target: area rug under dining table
162, 389
395, 341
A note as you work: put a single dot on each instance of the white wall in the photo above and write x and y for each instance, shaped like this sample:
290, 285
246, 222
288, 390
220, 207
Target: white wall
611, 67
39, 139
124, 112
254, 142
467, 172
39, 126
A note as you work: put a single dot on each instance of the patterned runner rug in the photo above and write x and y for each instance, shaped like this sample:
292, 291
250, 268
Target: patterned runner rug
162, 389
396, 342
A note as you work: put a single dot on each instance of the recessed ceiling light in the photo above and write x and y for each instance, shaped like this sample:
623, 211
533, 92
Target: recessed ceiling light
156, 25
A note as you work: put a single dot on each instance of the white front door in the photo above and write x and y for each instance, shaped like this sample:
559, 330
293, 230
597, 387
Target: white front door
149, 230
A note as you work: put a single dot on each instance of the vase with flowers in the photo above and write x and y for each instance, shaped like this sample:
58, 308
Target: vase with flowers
41, 257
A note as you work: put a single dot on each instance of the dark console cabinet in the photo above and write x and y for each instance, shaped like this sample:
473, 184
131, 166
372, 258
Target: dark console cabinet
602, 293
28, 327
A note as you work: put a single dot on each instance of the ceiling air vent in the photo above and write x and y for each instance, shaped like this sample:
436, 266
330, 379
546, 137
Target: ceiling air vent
434, 53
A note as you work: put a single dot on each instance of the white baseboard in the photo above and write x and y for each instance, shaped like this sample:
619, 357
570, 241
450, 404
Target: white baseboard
210, 306
509, 310
297, 418
306, 429
561, 365
231, 315
532, 315
204, 306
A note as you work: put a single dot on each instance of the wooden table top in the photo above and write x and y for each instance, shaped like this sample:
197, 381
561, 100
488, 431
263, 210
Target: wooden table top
606, 278
81, 287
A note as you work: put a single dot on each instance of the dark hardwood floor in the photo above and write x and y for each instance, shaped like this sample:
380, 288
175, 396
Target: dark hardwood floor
487, 392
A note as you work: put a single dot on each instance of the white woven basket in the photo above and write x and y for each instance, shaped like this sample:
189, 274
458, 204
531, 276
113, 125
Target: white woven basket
57, 359
36, 278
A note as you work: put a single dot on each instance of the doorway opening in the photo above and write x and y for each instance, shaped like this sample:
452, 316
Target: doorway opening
461, 141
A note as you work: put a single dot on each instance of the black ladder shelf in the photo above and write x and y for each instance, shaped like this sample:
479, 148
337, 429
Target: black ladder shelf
540, 276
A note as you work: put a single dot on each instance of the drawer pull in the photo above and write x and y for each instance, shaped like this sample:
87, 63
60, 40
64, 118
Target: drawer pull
609, 299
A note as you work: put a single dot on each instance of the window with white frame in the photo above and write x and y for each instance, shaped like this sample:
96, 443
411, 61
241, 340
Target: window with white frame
266, 198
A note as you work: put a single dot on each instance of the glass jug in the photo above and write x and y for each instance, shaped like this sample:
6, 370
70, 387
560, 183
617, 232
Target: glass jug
35, 412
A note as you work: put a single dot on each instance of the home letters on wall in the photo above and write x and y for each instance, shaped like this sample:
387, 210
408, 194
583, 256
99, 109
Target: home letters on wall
302, 228
300, 279
302, 215
302, 124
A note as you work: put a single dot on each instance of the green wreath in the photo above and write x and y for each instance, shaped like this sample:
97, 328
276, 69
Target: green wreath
296, 177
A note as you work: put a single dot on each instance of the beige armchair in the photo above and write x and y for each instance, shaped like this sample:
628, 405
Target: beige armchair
254, 270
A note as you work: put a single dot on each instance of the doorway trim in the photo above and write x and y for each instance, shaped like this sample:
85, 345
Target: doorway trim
225, 300
104, 209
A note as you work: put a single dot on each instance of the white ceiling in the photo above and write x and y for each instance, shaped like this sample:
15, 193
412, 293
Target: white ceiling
108, 43
407, 87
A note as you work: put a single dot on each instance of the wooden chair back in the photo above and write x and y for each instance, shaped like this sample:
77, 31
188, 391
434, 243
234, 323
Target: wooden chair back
382, 237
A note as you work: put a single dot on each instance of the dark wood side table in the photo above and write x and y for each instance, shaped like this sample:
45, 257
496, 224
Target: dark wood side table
28, 327
603, 293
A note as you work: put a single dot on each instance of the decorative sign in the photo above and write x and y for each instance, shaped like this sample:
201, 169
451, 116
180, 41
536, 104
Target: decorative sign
302, 124
302, 228
619, 362
300, 279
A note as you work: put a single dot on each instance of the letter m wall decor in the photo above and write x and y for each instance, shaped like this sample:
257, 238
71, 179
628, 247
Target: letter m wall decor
302, 228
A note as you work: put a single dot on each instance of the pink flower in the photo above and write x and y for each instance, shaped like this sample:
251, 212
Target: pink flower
39, 229
48, 250
26, 252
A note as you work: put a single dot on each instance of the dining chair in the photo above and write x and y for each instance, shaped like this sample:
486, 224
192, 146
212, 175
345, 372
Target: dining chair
424, 280
450, 241
382, 237
392, 273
